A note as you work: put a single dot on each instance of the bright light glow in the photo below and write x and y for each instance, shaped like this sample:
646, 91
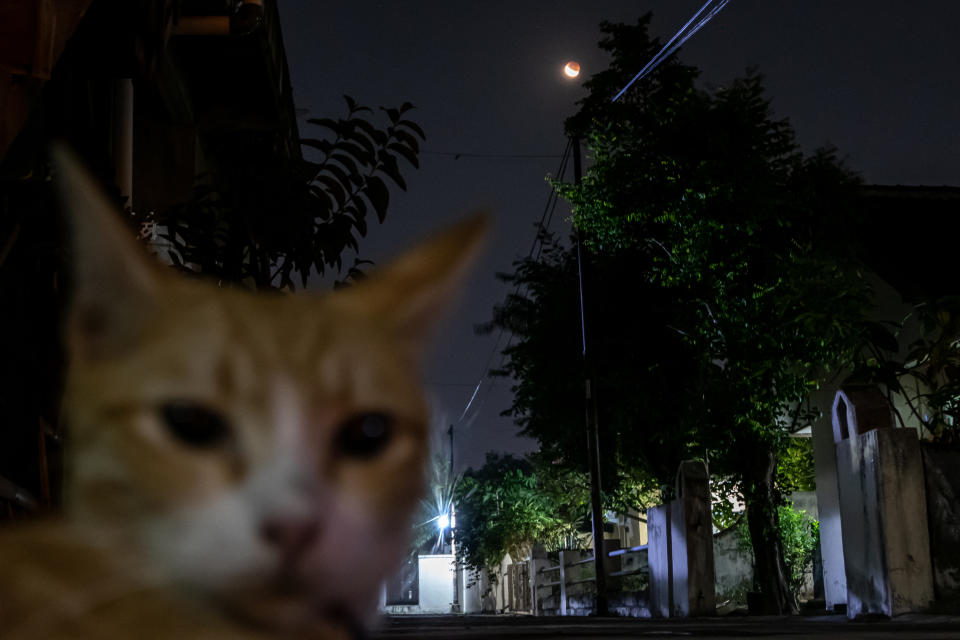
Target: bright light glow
572, 69
443, 521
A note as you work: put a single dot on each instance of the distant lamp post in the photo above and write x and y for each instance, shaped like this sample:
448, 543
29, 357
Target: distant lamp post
443, 521
571, 69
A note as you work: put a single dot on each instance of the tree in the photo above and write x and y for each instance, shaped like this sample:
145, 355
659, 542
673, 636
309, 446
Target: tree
746, 295
928, 376
642, 367
799, 536
505, 506
261, 222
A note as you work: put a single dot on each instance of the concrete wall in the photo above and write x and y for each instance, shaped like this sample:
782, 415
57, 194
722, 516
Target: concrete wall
805, 501
733, 567
828, 504
692, 550
889, 306
436, 583
474, 584
885, 537
942, 476
500, 589
680, 549
658, 559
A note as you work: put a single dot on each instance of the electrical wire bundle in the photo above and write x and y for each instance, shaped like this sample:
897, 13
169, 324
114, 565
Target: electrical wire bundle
677, 41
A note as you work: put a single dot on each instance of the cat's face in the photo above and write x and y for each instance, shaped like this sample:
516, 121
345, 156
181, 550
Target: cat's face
267, 450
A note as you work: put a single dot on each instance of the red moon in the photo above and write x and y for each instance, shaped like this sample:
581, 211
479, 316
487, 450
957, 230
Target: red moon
572, 69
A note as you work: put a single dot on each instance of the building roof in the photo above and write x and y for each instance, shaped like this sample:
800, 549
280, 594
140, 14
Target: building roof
910, 238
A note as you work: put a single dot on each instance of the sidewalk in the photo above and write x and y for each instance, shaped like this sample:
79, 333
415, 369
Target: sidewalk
508, 627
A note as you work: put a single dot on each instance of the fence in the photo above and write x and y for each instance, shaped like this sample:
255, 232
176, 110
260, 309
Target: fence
567, 587
518, 582
678, 560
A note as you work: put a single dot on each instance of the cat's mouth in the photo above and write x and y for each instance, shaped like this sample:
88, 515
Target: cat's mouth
289, 606
292, 598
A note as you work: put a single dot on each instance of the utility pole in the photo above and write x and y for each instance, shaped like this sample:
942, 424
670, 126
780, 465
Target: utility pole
593, 445
450, 433
453, 524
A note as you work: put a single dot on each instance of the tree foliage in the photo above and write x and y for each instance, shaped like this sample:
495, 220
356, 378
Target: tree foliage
927, 377
265, 222
799, 537
795, 467
641, 364
505, 506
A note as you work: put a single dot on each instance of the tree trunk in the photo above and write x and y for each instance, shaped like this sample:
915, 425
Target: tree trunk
764, 523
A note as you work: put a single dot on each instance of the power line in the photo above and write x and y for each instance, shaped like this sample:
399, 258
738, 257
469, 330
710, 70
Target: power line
456, 155
547, 211
551, 201
680, 37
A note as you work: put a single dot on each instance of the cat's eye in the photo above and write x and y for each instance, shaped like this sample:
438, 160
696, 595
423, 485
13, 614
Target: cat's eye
364, 435
195, 425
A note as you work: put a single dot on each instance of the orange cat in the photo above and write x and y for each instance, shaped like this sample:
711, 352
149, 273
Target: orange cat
238, 464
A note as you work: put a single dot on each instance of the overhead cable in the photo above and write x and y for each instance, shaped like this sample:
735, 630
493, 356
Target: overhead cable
456, 155
684, 34
547, 210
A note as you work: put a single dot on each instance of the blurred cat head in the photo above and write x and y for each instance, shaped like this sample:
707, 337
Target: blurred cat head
267, 450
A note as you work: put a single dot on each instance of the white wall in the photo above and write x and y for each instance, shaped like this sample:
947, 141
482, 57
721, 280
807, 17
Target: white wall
828, 507
886, 543
474, 584
436, 583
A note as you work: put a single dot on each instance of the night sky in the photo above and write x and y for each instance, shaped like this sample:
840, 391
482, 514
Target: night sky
879, 80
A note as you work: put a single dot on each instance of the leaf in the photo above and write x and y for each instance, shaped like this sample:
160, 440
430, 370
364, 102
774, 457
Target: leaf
361, 207
359, 147
405, 137
328, 123
413, 126
378, 195
389, 166
339, 174
348, 163
324, 205
409, 155
358, 221
393, 114
334, 188
322, 145
376, 135
354, 107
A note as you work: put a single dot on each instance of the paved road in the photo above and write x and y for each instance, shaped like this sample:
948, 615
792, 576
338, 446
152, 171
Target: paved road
458, 627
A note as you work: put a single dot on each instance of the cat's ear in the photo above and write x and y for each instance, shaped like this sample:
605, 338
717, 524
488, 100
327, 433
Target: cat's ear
412, 292
114, 283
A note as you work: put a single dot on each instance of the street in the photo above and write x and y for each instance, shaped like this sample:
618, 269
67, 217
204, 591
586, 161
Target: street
927, 627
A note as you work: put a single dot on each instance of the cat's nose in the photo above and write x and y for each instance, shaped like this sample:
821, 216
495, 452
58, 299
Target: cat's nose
291, 535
